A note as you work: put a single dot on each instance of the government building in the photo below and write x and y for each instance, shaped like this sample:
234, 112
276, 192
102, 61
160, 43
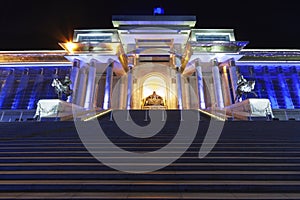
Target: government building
119, 68
152, 108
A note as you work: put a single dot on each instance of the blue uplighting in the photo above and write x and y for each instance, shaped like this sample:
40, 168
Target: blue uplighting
158, 11
22, 87
279, 84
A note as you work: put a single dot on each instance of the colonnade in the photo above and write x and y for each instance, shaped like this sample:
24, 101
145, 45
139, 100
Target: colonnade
85, 84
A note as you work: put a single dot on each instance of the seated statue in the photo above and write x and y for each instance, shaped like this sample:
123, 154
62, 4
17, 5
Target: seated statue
154, 100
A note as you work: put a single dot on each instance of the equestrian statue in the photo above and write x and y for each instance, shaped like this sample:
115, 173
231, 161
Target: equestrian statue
62, 88
244, 87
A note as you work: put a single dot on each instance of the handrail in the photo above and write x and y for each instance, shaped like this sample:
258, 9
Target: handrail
212, 115
101, 113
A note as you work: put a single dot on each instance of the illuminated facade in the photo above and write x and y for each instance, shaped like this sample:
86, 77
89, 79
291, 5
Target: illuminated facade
118, 68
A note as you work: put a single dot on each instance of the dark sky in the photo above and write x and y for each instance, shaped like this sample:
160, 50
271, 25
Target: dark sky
40, 25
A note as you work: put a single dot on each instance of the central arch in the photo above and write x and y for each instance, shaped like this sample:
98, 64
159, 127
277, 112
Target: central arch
154, 83
157, 82
159, 78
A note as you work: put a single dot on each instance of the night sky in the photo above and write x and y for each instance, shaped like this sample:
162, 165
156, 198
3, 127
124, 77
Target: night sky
40, 25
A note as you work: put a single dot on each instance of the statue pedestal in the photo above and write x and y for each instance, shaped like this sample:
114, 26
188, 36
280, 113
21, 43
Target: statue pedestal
56, 109
250, 108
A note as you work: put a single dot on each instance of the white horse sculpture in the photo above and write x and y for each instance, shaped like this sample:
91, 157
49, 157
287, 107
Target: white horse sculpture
245, 88
60, 88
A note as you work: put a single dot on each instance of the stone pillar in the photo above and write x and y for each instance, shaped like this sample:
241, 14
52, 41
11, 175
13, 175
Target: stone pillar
96, 94
187, 93
233, 77
20, 93
217, 84
74, 78
131, 63
122, 91
129, 88
200, 86
38, 83
90, 88
80, 97
179, 90
108, 87
226, 87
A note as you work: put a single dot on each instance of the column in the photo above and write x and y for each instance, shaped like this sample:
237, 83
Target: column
96, 94
226, 87
233, 77
74, 79
284, 89
81, 87
295, 81
179, 90
90, 88
108, 87
200, 86
217, 85
20, 93
122, 91
129, 87
38, 83
186, 93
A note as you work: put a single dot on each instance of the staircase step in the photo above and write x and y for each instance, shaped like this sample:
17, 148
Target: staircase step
259, 160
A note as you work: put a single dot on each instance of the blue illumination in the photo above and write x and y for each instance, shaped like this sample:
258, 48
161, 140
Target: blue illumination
107, 92
296, 91
279, 84
285, 92
35, 92
158, 11
21, 90
7, 90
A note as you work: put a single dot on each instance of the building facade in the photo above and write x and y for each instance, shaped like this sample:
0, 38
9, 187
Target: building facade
119, 68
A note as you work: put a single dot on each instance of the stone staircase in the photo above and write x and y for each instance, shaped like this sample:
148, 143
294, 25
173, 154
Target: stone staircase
251, 160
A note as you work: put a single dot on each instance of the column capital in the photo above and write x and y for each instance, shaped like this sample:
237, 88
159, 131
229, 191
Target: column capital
214, 62
130, 68
232, 62
197, 62
131, 60
92, 63
76, 63
110, 64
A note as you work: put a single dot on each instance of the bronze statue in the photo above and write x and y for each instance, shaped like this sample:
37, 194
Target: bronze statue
154, 100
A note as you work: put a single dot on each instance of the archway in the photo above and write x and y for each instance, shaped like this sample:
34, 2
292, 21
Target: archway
154, 83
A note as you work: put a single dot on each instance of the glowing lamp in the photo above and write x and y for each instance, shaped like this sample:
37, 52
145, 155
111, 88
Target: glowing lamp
158, 11
70, 46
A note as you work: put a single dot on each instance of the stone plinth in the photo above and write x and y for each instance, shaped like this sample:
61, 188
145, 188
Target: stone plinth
56, 109
250, 108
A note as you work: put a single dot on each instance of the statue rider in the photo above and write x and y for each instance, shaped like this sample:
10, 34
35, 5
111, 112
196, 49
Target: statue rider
67, 82
241, 80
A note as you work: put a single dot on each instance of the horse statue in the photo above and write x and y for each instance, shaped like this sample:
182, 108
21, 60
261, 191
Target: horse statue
62, 88
244, 88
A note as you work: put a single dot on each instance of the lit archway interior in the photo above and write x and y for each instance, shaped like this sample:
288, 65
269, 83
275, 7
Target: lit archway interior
154, 83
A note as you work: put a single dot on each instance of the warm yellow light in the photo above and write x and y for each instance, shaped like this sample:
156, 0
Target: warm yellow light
156, 84
224, 69
70, 46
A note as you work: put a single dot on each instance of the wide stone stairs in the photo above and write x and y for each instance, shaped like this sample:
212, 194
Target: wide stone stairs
56, 160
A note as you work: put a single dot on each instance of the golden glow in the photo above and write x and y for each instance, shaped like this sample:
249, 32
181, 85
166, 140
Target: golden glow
70, 47
212, 115
98, 115
154, 83
224, 69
